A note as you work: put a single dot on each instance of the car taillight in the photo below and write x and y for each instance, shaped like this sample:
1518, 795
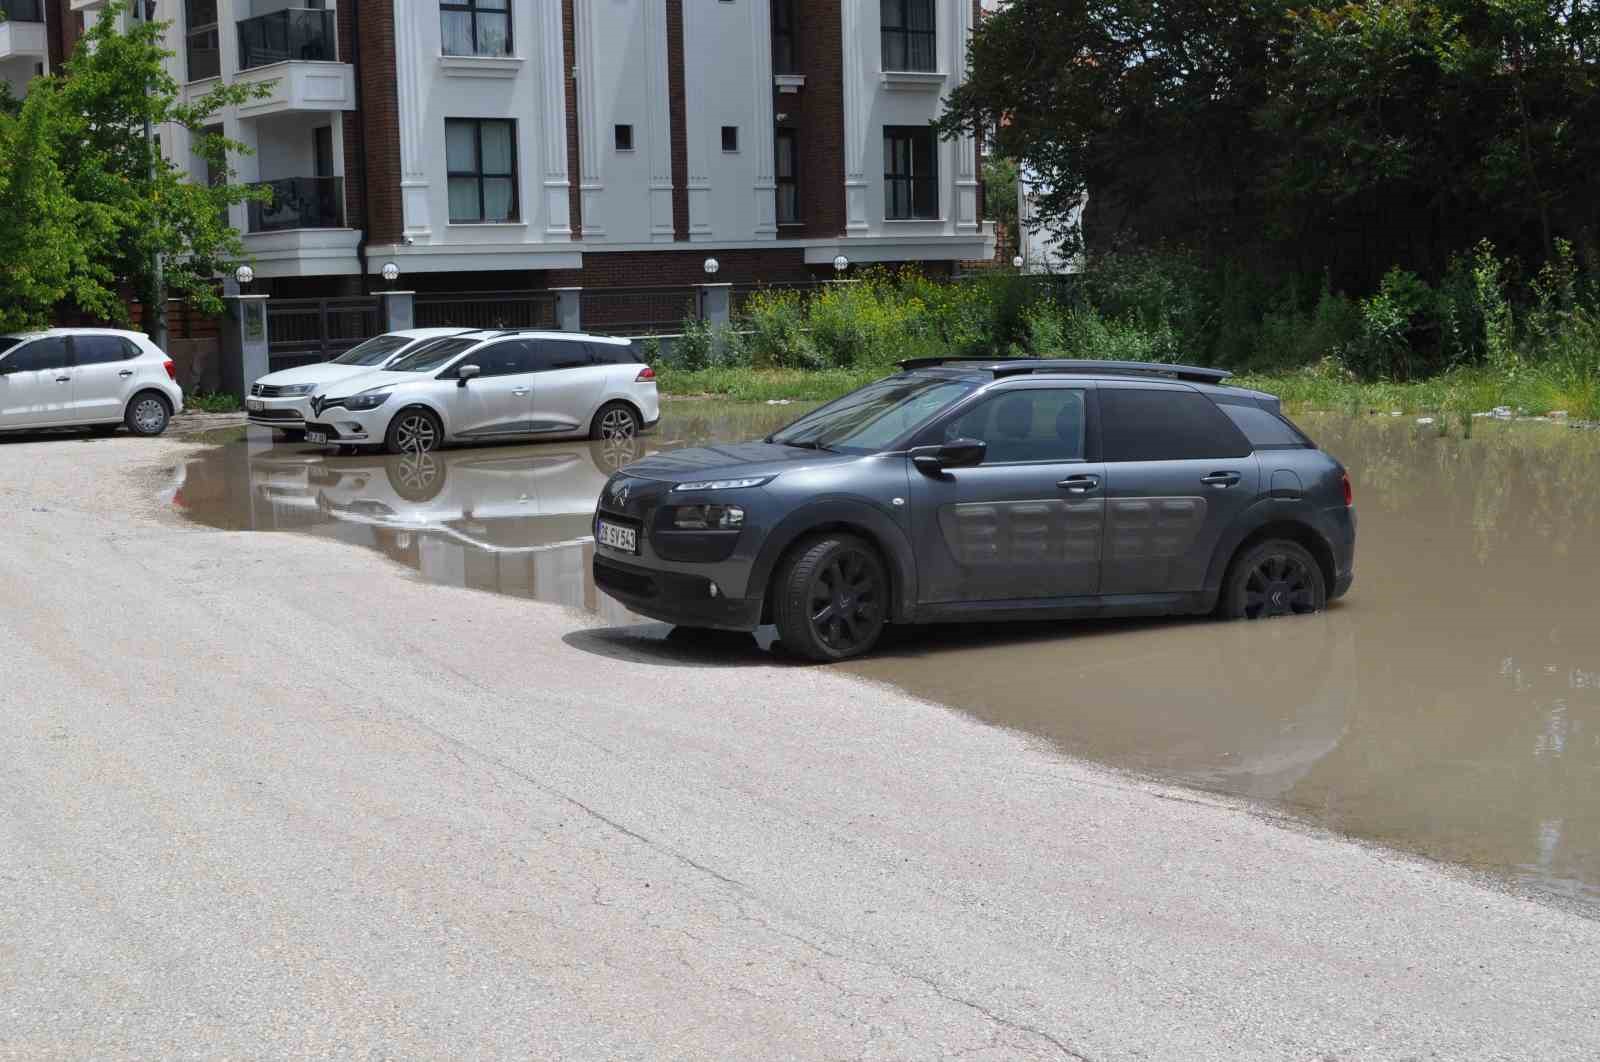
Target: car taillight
172, 369
1349, 495
645, 375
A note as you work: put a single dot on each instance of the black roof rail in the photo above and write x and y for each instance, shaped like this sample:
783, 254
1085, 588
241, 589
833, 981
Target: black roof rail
1020, 366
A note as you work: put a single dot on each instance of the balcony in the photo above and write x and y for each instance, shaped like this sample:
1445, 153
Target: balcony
22, 33
291, 35
299, 203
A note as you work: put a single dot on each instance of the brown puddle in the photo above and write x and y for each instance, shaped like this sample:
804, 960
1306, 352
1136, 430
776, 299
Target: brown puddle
1449, 706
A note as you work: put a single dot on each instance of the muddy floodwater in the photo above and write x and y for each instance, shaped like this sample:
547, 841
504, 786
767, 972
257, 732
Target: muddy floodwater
1450, 706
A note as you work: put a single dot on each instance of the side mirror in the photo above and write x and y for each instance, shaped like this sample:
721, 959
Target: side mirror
465, 373
957, 453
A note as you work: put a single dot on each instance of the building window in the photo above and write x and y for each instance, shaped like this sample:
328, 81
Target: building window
909, 40
481, 155
730, 138
785, 56
624, 137
910, 173
475, 27
203, 44
786, 159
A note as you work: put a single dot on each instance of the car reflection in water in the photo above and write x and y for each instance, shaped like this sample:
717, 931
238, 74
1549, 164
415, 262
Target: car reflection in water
509, 521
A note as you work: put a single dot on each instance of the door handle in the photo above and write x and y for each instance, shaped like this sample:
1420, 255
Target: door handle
63, 379
520, 391
125, 372
1221, 479
1079, 484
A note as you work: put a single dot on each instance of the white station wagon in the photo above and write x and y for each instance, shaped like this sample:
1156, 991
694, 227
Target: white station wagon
498, 385
96, 378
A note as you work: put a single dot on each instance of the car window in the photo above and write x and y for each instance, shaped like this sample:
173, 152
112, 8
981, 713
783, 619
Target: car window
510, 358
1148, 424
374, 351
1265, 429
47, 353
614, 353
876, 415
102, 350
1035, 424
431, 356
552, 354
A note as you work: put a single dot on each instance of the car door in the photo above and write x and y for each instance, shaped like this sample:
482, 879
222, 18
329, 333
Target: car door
1027, 522
36, 384
568, 386
499, 401
1178, 473
102, 376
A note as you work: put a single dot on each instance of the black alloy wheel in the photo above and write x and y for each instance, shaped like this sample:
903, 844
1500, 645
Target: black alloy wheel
1275, 578
832, 598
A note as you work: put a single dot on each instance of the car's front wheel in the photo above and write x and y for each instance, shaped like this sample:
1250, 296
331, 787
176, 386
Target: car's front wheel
1273, 578
414, 431
148, 414
831, 598
615, 423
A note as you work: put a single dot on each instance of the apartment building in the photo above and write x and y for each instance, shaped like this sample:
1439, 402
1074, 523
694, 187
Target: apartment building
533, 144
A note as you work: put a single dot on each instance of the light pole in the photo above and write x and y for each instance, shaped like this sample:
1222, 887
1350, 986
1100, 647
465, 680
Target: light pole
155, 322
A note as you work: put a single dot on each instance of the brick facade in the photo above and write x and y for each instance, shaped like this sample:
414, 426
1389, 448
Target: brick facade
677, 106
816, 114
379, 119
569, 56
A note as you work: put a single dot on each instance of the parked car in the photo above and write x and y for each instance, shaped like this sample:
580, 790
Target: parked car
98, 378
498, 385
280, 400
983, 491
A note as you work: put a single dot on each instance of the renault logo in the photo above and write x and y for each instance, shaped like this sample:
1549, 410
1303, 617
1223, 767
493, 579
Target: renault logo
316, 405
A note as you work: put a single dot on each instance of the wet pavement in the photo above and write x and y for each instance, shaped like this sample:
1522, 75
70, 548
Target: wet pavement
1449, 706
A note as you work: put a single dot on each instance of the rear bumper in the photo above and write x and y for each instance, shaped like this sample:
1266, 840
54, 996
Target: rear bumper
672, 597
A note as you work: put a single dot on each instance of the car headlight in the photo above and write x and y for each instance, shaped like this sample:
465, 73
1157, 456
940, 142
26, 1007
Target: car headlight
708, 518
296, 390
366, 400
723, 484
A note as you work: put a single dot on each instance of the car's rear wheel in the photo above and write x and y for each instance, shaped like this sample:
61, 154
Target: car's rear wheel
614, 423
1273, 578
414, 431
831, 598
147, 414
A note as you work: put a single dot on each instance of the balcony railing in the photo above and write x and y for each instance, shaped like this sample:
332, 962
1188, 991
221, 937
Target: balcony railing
22, 10
291, 34
300, 203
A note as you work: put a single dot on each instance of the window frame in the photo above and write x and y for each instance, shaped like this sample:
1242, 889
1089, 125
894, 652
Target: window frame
129, 349
213, 29
891, 179
905, 34
471, 8
793, 180
785, 31
1221, 419
514, 217
933, 435
726, 150
616, 136
25, 347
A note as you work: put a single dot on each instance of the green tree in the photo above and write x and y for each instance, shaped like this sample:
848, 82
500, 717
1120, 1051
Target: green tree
145, 209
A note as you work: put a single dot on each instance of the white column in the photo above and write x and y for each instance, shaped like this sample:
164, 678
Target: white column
591, 178
658, 121
964, 190
764, 125
857, 36
553, 119
408, 74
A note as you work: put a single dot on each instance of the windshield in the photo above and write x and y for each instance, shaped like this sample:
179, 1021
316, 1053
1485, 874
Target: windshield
374, 351
875, 416
432, 355
7, 342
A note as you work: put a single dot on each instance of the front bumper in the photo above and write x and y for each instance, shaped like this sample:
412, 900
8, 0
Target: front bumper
674, 597
285, 414
345, 428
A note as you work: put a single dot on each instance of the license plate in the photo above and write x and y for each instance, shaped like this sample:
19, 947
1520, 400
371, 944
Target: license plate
253, 406
316, 436
624, 538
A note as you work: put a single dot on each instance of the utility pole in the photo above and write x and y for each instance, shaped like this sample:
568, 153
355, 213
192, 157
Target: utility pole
155, 311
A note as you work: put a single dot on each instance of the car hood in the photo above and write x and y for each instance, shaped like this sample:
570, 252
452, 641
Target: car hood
322, 373
368, 380
733, 461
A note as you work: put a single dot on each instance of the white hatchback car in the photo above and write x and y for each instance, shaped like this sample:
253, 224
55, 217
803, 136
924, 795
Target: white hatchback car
97, 378
280, 399
496, 385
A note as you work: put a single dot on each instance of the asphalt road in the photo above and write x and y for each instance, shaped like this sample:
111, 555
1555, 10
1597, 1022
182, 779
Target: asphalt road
265, 796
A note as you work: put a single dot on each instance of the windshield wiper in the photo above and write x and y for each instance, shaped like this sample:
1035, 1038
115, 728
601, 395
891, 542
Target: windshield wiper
807, 444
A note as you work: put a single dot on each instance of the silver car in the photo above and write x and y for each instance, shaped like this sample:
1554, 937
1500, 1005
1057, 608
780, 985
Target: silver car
495, 385
97, 378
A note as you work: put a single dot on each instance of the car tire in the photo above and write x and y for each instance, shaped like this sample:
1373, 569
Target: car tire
1273, 578
147, 414
831, 598
414, 430
614, 422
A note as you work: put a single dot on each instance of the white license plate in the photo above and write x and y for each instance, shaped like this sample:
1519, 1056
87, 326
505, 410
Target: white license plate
623, 538
316, 436
253, 405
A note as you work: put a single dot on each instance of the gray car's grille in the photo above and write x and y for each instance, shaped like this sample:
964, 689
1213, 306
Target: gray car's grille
266, 391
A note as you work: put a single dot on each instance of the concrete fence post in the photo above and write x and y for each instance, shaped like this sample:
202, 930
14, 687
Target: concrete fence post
569, 309
716, 303
399, 310
244, 343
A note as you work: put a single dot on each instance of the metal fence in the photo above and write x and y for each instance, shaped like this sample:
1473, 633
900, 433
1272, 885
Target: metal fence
304, 331
486, 309
742, 293
638, 311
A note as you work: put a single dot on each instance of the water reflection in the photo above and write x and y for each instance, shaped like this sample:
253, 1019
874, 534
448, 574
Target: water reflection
1450, 705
